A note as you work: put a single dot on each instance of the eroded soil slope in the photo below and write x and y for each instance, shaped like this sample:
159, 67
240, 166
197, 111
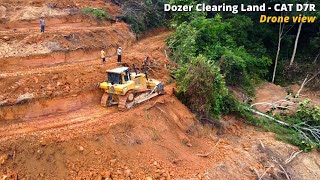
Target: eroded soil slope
160, 138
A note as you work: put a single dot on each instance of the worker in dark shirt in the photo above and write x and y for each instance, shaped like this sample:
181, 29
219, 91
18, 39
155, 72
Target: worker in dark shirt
146, 61
135, 69
144, 69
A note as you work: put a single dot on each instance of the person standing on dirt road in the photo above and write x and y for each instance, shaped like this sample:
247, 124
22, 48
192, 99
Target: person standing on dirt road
145, 71
42, 24
119, 51
146, 61
135, 69
103, 56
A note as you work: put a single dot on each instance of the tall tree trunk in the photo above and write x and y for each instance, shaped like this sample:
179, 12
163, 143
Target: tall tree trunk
281, 28
296, 44
276, 61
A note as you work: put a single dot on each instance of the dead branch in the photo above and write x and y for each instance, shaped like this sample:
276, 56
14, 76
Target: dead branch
154, 104
306, 80
282, 169
262, 145
211, 137
304, 129
165, 52
257, 173
269, 117
293, 155
284, 172
264, 173
207, 154
302, 85
275, 104
160, 109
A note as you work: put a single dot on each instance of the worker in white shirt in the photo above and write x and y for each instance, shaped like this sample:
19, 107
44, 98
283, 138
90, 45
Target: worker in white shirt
119, 51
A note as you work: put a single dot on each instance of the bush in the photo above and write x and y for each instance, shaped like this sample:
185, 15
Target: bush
201, 87
308, 113
98, 13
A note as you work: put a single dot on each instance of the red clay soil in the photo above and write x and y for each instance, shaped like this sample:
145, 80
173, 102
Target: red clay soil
159, 139
74, 78
63, 133
77, 139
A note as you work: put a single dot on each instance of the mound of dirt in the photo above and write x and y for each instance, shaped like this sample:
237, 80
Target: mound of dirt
270, 93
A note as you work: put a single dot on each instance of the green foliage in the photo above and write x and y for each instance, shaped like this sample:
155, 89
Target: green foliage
98, 13
315, 43
185, 17
217, 51
203, 87
183, 47
143, 15
283, 133
307, 116
288, 135
308, 113
215, 39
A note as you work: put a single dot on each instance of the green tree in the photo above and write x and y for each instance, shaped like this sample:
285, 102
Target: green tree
202, 87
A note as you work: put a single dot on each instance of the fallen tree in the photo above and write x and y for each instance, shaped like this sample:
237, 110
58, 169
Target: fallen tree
309, 133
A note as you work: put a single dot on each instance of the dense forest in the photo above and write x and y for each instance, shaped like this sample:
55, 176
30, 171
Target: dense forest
219, 52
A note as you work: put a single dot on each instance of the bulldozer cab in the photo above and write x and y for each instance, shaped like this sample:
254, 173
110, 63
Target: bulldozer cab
118, 75
125, 90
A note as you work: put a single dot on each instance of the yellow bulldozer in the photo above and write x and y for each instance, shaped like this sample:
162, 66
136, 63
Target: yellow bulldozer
127, 89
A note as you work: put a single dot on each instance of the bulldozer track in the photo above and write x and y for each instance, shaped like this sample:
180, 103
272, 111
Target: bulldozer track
104, 99
123, 102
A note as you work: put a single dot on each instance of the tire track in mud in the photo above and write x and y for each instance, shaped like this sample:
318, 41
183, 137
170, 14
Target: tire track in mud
56, 68
80, 118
